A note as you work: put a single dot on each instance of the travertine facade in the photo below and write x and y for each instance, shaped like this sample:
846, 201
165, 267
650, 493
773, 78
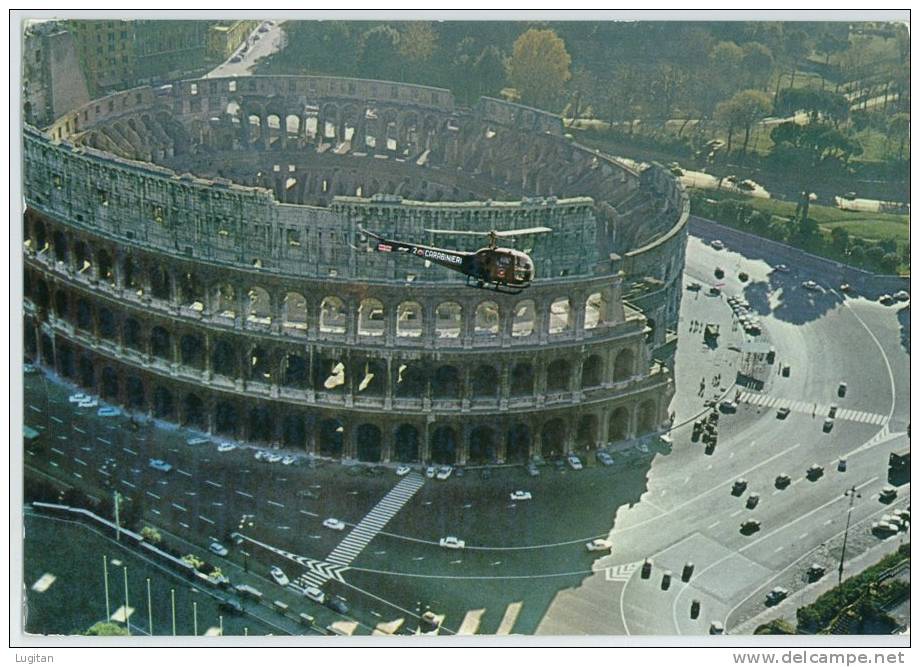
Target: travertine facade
243, 300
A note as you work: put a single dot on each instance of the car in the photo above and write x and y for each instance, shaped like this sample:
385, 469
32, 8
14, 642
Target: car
237, 58
782, 481
88, 403
832, 411
694, 609
29, 369
842, 465
108, 412
574, 462
334, 524
605, 458
226, 447
521, 495
901, 296
716, 628
694, 287
273, 458
728, 406
77, 398
846, 288
263, 28
782, 268
750, 526
714, 291
402, 471
666, 580
599, 545
279, 576
687, 572
888, 494
459, 471
218, 548
444, 472
194, 442
160, 464
782, 413
533, 470
828, 425
842, 389
883, 528
747, 184
811, 286
230, 605
739, 486
646, 571
430, 472
752, 501
814, 472
786, 370
314, 594
902, 514
451, 542
237, 538
776, 596
337, 604
885, 300
259, 455
717, 244
815, 572
288, 460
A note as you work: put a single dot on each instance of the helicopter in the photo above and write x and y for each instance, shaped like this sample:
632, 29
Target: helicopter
506, 270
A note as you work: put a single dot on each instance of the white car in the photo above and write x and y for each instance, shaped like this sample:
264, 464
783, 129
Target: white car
194, 442
901, 296
88, 403
334, 524
288, 460
314, 594
811, 285
599, 545
782, 268
78, 398
402, 471
451, 542
717, 244
430, 472
279, 576
226, 447
259, 455
218, 548
574, 462
273, 458
521, 495
444, 472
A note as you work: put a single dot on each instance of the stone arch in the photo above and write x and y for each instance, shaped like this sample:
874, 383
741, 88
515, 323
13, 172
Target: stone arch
160, 283
618, 424
135, 395
225, 301
596, 310
485, 382
448, 318
592, 372
333, 318
84, 314
331, 438
224, 360
132, 335
108, 388
553, 435
108, 329
258, 306
83, 261
295, 372
61, 304
191, 351
443, 445
371, 318
483, 447
406, 443
66, 359
41, 294
193, 412
105, 267
586, 433
131, 275
292, 126
525, 318
411, 380
446, 383
329, 372
61, 247
409, 320
522, 379
558, 375
191, 291
40, 234
487, 320
518, 444
370, 376
260, 423
560, 316
295, 311
369, 443
259, 365
163, 404
294, 431
161, 343
624, 365
646, 417
226, 419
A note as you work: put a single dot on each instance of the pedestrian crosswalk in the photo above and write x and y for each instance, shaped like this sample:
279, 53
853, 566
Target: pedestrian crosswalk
805, 407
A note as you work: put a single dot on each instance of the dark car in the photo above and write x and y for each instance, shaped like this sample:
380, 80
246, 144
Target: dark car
337, 604
750, 526
814, 472
786, 371
231, 606
695, 609
687, 572
646, 569
815, 572
782, 413
782, 481
739, 486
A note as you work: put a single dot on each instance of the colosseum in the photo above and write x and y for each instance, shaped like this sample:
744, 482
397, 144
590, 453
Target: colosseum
193, 252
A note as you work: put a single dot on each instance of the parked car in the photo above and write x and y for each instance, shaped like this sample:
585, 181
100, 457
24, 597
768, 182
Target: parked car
782, 268
841, 465
885, 300
226, 447
194, 442
750, 526
728, 407
230, 605
842, 389
888, 494
901, 296
337, 604
259, 455
687, 572
828, 425
88, 403
646, 569
739, 486
815, 572
314, 594
279, 576
605, 458
444, 472
811, 286
832, 411
776, 596
108, 412
782, 481
77, 398
599, 545
273, 458
714, 291
814, 472
752, 501
521, 495
694, 287
451, 542
430, 472
666, 580
237, 58
846, 288
160, 464
288, 460
786, 370
218, 548
717, 244
716, 628
334, 524
574, 462
533, 470
694, 609
782, 413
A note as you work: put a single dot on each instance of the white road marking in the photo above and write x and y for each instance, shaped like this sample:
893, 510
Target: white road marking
308, 513
153, 495
243, 493
155, 511
80, 461
179, 507
214, 484
129, 451
127, 483
182, 472
57, 451
713, 525
100, 439
204, 518
54, 464
272, 502
55, 419
78, 430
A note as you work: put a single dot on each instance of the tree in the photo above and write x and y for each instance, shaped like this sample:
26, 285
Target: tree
418, 41
757, 64
489, 71
106, 629
151, 534
840, 239
899, 130
742, 111
379, 53
539, 67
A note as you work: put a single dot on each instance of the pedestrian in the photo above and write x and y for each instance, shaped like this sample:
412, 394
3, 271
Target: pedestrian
814, 410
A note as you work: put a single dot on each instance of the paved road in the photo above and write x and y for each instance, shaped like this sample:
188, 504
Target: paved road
256, 47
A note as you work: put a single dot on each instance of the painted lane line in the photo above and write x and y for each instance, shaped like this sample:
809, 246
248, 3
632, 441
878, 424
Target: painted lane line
179, 507
78, 430
182, 472
126, 450
243, 493
214, 484
184, 525
272, 502
713, 525
155, 511
153, 495
54, 464
55, 419
34, 409
101, 439
80, 461
204, 518
127, 483
78, 475
308, 513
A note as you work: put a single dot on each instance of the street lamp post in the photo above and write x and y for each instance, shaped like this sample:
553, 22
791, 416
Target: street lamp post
853, 495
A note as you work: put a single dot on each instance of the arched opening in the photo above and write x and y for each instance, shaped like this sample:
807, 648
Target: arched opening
560, 316
40, 235
482, 445
160, 283
445, 383
30, 345
486, 321
370, 376
618, 425
61, 305
83, 263
66, 360
191, 351
260, 424
331, 438
518, 444
592, 372
84, 315
444, 445
369, 443
596, 310
41, 294
558, 376
553, 436
160, 343
47, 350
223, 359
448, 320
329, 374
258, 306
371, 318
134, 393
106, 270
586, 433
647, 420
163, 407
409, 322
294, 431
109, 388
485, 382
225, 301
61, 251
132, 335
525, 318
107, 327
406, 443
295, 311
295, 372
131, 275
411, 380
522, 379
260, 369
191, 291
624, 365
332, 317
226, 420
193, 412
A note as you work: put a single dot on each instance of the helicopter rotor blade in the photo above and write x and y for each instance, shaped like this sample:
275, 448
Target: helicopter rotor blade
523, 232
455, 232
